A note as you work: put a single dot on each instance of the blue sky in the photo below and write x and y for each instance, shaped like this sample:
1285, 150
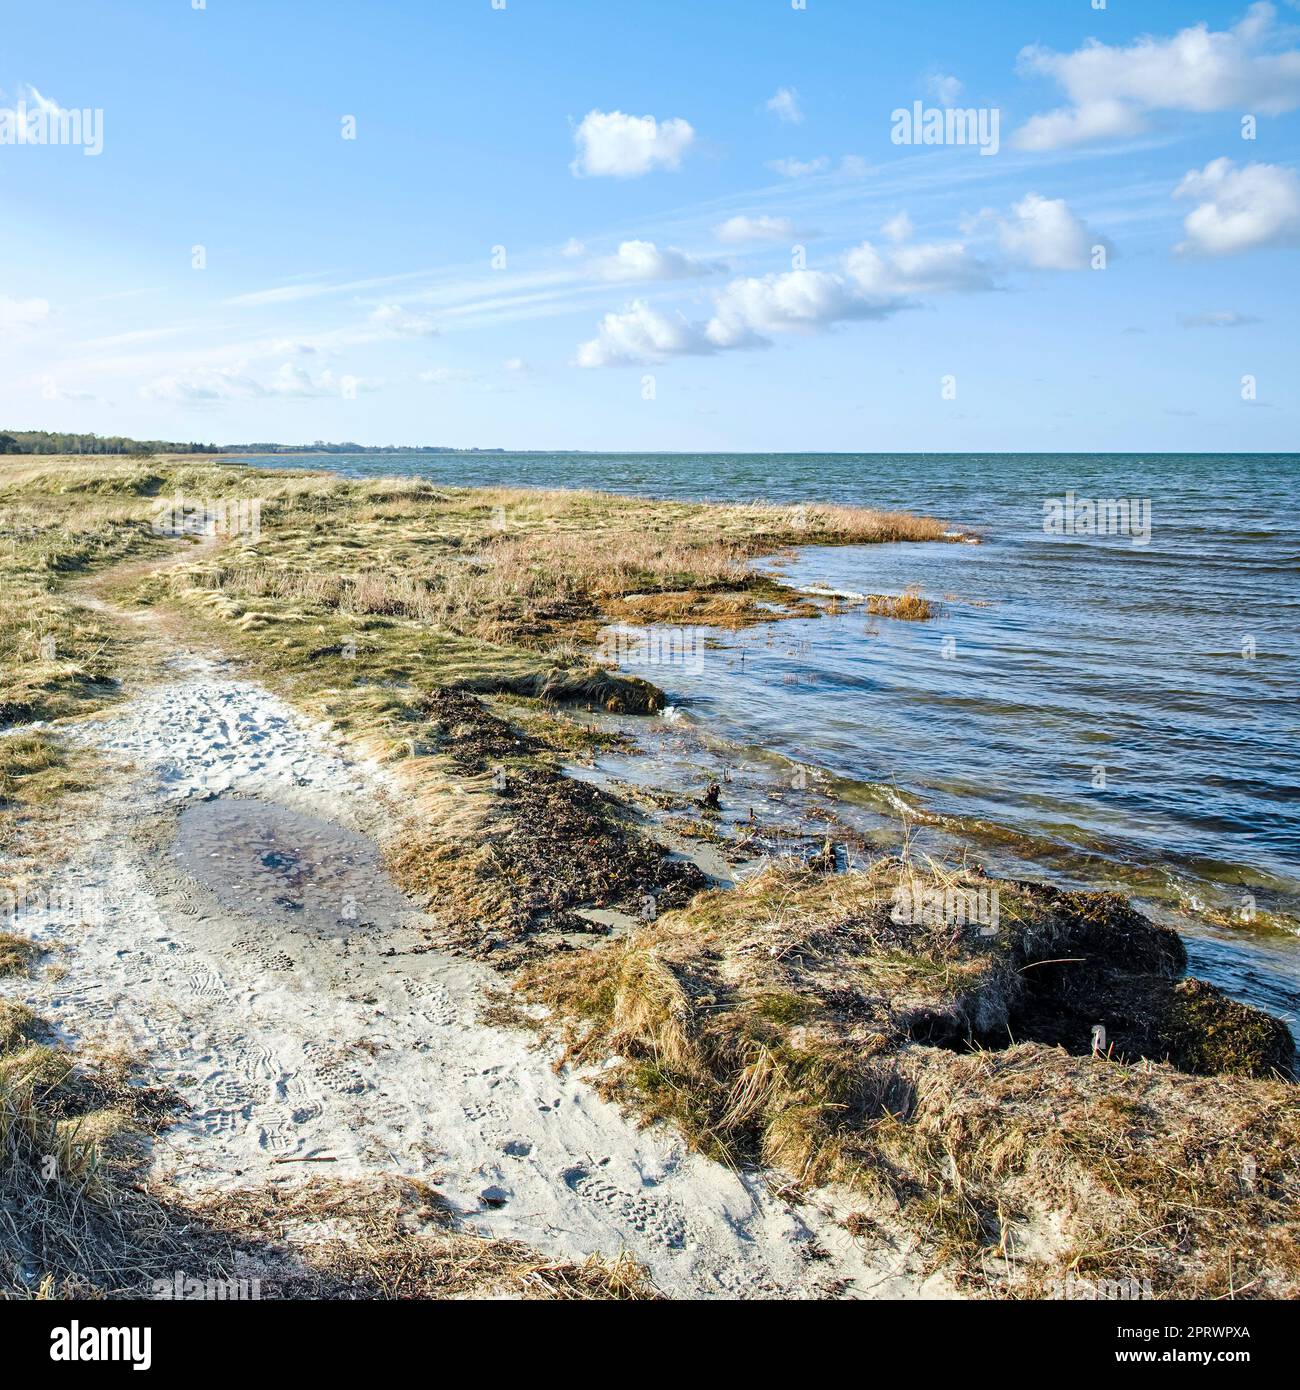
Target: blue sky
678, 224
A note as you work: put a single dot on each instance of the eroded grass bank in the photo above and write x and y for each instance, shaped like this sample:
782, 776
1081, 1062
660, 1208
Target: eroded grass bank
949, 1072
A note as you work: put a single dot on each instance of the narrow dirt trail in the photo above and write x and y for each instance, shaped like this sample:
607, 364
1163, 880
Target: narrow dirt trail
357, 1047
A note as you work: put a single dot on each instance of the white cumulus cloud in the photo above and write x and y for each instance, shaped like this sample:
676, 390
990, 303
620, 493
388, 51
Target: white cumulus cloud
898, 272
748, 309
1045, 234
393, 318
898, 228
1080, 125
614, 145
870, 284
800, 168
640, 334
944, 88
1239, 209
1112, 87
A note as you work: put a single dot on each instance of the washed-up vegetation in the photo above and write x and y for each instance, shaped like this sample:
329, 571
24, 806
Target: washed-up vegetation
948, 1070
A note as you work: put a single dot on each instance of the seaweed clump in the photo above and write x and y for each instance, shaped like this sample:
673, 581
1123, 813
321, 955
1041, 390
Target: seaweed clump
526, 848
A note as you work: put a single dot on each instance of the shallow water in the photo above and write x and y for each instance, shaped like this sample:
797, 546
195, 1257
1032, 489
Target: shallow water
285, 868
1110, 711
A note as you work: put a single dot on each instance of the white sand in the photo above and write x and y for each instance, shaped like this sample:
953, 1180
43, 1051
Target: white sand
289, 1044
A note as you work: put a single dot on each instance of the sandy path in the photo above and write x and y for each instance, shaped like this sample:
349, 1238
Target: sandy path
361, 1046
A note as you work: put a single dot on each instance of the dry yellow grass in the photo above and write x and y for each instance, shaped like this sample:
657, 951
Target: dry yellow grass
16, 952
910, 606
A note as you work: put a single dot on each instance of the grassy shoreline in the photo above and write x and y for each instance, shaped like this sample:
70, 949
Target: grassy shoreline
444, 630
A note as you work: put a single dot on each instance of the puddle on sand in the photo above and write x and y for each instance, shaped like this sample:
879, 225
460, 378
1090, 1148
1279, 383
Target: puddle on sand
284, 867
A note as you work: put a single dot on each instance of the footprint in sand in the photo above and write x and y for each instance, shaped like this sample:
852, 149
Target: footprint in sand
436, 1004
291, 1115
643, 1214
260, 1062
334, 1067
224, 1089
227, 1105
478, 1113
275, 961
739, 1283
206, 985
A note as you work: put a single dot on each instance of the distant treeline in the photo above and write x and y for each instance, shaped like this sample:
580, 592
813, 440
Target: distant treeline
322, 447
50, 442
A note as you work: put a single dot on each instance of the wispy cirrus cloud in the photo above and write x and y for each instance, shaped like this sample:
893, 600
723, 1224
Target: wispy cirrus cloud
1218, 318
19, 315
214, 385
283, 294
800, 168
850, 166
